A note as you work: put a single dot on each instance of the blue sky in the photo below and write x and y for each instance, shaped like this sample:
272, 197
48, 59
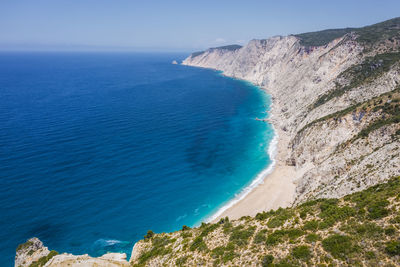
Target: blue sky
175, 25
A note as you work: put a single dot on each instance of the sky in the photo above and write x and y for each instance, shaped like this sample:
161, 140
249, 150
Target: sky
173, 25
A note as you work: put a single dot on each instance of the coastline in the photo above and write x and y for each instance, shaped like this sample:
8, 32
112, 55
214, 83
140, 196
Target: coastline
273, 188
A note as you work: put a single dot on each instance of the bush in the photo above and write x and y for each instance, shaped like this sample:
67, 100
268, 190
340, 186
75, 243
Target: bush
24, 245
275, 237
185, 228
240, 236
393, 248
267, 261
198, 244
208, 229
390, 230
186, 234
377, 209
149, 235
281, 216
336, 213
226, 253
301, 252
181, 261
294, 233
311, 225
43, 260
339, 246
260, 237
312, 238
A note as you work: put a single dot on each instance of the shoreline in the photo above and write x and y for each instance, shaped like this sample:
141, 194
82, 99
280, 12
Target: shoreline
273, 187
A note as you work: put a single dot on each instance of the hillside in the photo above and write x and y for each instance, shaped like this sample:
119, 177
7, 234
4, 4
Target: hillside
361, 229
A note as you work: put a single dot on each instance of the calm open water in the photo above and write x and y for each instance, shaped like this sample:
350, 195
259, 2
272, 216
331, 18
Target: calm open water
98, 148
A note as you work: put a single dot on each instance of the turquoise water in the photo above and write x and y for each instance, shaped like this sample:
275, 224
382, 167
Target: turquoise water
98, 148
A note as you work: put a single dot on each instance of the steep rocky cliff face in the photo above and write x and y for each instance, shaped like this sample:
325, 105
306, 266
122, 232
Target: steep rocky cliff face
337, 102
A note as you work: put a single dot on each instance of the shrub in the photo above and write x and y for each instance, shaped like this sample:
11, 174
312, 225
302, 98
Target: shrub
311, 225
390, 230
186, 234
208, 229
227, 253
149, 235
275, 237
312, 238
377, 209
267, 261
43, 260
336, 213
223, 220
240, 236
198, 244
339, 246
24, 245
185, 228
301, 252
281, 216
260, 237
294, 233
393, 248
181, 261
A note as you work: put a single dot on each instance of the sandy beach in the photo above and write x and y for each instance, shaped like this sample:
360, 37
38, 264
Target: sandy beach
278, 187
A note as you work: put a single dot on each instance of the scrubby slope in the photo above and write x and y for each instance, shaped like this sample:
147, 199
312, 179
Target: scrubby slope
359, 229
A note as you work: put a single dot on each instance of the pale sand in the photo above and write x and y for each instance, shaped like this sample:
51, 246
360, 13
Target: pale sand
278, 188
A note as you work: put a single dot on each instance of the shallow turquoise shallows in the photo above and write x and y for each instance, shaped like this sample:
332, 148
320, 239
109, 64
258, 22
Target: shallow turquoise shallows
98, 148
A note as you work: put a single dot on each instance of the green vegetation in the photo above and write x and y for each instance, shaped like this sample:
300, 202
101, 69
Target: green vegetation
198, 244
367, 36
321, 38
359, 74
359, 229
280, 217
267, 261
393, 247
301, 252
25, 245
43, 260
387, 103
196, 54
240, 236
149, 235
159, 248
339, 246
181, 261
380, 32
226, 47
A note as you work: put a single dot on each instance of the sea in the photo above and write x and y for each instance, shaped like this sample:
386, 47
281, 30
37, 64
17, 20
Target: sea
97, 148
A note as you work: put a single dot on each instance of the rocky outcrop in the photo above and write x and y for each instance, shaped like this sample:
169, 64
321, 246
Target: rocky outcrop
107, 260
34, 253
315, 91
29, 252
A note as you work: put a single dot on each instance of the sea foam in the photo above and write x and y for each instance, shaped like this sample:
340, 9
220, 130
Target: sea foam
272, 150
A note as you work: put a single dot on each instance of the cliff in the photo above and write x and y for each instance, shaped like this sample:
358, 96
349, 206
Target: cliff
337, 103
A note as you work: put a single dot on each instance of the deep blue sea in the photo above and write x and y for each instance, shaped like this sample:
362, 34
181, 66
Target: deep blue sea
98, 148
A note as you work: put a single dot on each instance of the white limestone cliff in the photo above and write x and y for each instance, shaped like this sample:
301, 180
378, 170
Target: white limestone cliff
296, 76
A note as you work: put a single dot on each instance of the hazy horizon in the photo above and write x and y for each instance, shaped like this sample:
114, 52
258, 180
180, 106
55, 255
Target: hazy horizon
173, 26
